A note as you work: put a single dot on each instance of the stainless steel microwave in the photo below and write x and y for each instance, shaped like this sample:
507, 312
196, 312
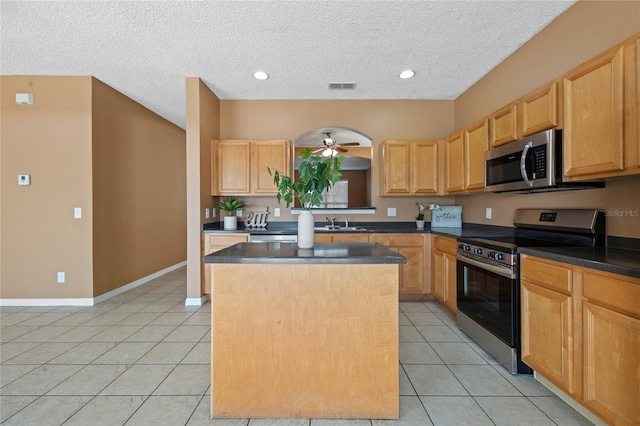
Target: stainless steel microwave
532, 164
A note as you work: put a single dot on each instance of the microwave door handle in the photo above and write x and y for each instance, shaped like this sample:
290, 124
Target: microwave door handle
523, 166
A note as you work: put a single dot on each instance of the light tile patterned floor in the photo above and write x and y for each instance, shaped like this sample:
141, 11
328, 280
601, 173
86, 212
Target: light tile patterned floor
142, 358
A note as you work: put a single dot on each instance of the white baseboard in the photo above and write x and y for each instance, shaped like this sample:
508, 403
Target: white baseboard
73, 301
570, 401
137, 283
90, 301
195, 301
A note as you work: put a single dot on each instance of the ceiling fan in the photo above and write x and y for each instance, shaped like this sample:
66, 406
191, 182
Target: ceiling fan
331, 147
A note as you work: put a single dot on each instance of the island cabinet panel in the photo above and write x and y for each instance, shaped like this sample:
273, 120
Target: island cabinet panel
413, 273
594, 117
305, 341
214, 242
443, 264
611, 339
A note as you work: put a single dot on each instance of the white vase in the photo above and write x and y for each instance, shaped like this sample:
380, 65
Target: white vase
420, 224
306, 232
230, 223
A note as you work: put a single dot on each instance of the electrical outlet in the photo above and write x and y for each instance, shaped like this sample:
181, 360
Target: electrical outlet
206, 213
239, 213
24, 180
77, 213
488, 213
391, 211
276, 212
61, 277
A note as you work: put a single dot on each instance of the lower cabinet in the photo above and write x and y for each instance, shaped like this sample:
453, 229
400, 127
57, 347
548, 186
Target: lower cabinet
443, 263
341, 238
581, 331
412, 274
214, 242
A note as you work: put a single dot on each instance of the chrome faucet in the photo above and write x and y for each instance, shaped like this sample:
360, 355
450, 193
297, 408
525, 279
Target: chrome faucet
346, 222
331, 221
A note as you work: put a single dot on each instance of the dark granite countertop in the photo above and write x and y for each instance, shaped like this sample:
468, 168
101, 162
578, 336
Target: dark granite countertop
614, 260
321, 253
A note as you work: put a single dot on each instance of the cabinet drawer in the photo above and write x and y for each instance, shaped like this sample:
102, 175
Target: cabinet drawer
398, 240
226, 240
351, 238
547, 273
616, 291
446, 245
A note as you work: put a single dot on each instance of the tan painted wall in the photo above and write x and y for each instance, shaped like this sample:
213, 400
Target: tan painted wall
203, 125
586, 29
286, 119
51, 141
139, 191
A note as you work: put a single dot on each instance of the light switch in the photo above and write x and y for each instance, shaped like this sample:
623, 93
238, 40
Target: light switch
206, 213
61, 277
488, 213
276, 212
77, 213
391, 211
24, 179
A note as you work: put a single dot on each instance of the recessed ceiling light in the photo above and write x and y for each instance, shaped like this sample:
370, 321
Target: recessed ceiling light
407, 74
260, 75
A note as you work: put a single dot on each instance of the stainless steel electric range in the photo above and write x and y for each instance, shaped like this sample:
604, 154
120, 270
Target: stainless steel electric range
488, 275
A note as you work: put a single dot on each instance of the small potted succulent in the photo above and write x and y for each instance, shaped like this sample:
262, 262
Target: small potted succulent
420, 217
230, 205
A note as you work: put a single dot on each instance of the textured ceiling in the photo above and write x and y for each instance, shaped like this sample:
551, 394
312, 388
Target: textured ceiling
146, 49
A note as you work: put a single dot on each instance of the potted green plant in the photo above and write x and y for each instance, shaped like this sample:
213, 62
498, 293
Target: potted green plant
317, 173
230, 205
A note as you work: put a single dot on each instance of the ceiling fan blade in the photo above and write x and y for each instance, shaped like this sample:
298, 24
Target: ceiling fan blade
349, 144
315, 151
339, 148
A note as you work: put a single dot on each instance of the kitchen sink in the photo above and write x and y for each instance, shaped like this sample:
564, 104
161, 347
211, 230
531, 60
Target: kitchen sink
336, 228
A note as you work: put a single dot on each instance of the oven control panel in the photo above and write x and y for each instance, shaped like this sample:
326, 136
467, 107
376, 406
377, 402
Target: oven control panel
486, 254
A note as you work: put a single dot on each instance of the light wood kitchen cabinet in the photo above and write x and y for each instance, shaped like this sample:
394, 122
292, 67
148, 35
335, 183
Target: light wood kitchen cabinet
241, 166
594, 116
505, 125
611, 339
455, 163
412, 274
581, 331
465, 158
410, 167
444, 271
214, 242
341, 238
547, 307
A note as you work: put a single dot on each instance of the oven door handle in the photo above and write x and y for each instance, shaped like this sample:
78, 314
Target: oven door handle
503, 271
523, 165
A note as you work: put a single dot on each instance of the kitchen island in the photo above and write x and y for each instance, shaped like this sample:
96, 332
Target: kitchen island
305, 333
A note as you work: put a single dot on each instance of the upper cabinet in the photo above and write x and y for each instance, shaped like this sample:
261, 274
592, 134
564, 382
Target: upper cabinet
465, 158
410, 167
241, 166
601, 116
533, 113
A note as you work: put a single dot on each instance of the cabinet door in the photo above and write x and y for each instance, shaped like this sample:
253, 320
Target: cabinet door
540, 110
504, 125
612, 361
273, 154
593, 117
476, 139
425, 167
413, 271
439, 275
450, 286
323, 238
547, 334
455, 163
396, 156
234, 158
350, 238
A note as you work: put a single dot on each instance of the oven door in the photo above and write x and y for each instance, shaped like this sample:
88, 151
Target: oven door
488, 294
